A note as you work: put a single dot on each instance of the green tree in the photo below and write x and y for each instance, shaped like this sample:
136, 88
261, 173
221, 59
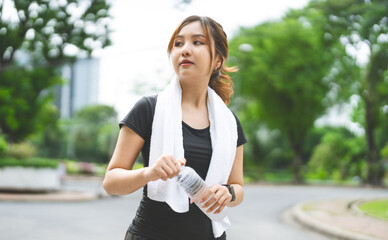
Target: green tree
358, 23
50, 31
24, 99
43, 35
283, 72
94, 133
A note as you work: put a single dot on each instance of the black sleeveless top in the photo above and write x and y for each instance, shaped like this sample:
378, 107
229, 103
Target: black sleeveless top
156, 220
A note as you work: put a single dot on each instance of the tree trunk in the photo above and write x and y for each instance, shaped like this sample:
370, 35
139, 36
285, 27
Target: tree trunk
374, 174
297, 164
374, 77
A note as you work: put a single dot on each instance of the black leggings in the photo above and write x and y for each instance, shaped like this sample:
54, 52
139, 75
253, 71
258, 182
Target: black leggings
131, 236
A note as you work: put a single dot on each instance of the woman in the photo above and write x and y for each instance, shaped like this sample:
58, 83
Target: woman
187, 123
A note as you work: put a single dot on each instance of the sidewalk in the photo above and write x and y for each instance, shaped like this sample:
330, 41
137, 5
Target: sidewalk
340, 218
76, 188
66, 196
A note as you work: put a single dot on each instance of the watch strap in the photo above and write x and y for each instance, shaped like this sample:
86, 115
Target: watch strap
231, 191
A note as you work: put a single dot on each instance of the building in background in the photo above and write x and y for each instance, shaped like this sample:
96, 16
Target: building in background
80, 88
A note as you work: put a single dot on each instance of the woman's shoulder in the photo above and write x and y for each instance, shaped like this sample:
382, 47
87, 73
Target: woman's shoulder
145, 105
236, 117
140, 117
149, 101
240, 132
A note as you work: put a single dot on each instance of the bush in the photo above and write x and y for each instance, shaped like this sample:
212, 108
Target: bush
79, 168
86, 168
339, 156
3, 147
21, 150
72, 167
384, 152
29, 162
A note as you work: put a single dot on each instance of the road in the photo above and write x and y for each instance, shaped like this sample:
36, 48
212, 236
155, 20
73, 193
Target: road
262, 215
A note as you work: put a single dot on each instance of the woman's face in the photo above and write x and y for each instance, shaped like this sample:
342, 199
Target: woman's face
191, 53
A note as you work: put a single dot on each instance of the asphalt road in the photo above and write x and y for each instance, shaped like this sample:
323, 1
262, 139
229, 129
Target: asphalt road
262, 215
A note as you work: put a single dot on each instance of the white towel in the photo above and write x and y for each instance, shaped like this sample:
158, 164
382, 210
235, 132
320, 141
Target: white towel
167, 138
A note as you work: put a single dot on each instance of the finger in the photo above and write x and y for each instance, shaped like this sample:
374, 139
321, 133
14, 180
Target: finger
205, 197
180, 164
212, 200
177, 169
182, 161
222, 190
162, 174
177, 166
212, 190
162, 159
223, 201
169, 172
220, 209
172, 164
217, 201
213, 207
216, 187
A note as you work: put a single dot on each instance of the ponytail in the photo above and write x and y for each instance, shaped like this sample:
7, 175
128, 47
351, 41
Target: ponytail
222, 83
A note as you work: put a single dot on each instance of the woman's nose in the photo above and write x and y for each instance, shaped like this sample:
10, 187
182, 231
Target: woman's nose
186, 50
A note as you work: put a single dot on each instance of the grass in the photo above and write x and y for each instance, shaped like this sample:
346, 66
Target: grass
376, 208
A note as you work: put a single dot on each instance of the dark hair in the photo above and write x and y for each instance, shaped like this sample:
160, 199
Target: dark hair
220, 81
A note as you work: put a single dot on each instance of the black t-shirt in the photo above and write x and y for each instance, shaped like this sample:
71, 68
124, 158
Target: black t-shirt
156, 220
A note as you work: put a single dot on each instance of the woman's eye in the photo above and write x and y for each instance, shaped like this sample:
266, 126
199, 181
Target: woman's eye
198, 42
178, 44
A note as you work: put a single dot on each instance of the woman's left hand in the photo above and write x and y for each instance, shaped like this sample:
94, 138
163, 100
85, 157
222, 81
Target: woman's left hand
220, 197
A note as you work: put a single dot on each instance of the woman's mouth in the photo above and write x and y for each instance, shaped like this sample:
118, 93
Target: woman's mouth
186, 62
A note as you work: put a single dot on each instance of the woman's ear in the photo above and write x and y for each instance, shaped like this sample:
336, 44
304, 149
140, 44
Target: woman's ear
218, 62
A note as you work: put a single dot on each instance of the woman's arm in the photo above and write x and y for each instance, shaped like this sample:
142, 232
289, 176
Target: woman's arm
236, 178
222, 196
120, 179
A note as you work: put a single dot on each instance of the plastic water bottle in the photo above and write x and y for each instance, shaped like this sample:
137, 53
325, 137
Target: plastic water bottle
195, 187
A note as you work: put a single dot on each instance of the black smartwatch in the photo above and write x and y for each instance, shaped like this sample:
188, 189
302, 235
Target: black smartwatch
231, 191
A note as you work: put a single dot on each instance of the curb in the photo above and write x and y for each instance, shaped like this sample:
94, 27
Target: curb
339, 233
50, 197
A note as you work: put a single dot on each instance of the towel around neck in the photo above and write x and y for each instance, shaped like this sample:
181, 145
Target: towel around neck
167, 139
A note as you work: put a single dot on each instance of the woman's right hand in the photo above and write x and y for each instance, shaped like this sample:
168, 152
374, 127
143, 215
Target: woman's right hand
165, 167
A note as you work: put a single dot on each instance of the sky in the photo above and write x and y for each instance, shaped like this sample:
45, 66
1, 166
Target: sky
137, 63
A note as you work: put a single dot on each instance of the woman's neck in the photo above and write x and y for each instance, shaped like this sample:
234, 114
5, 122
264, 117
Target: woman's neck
194, 104
194, 95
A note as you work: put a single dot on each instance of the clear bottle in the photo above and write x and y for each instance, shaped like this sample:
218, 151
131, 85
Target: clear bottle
195, 187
